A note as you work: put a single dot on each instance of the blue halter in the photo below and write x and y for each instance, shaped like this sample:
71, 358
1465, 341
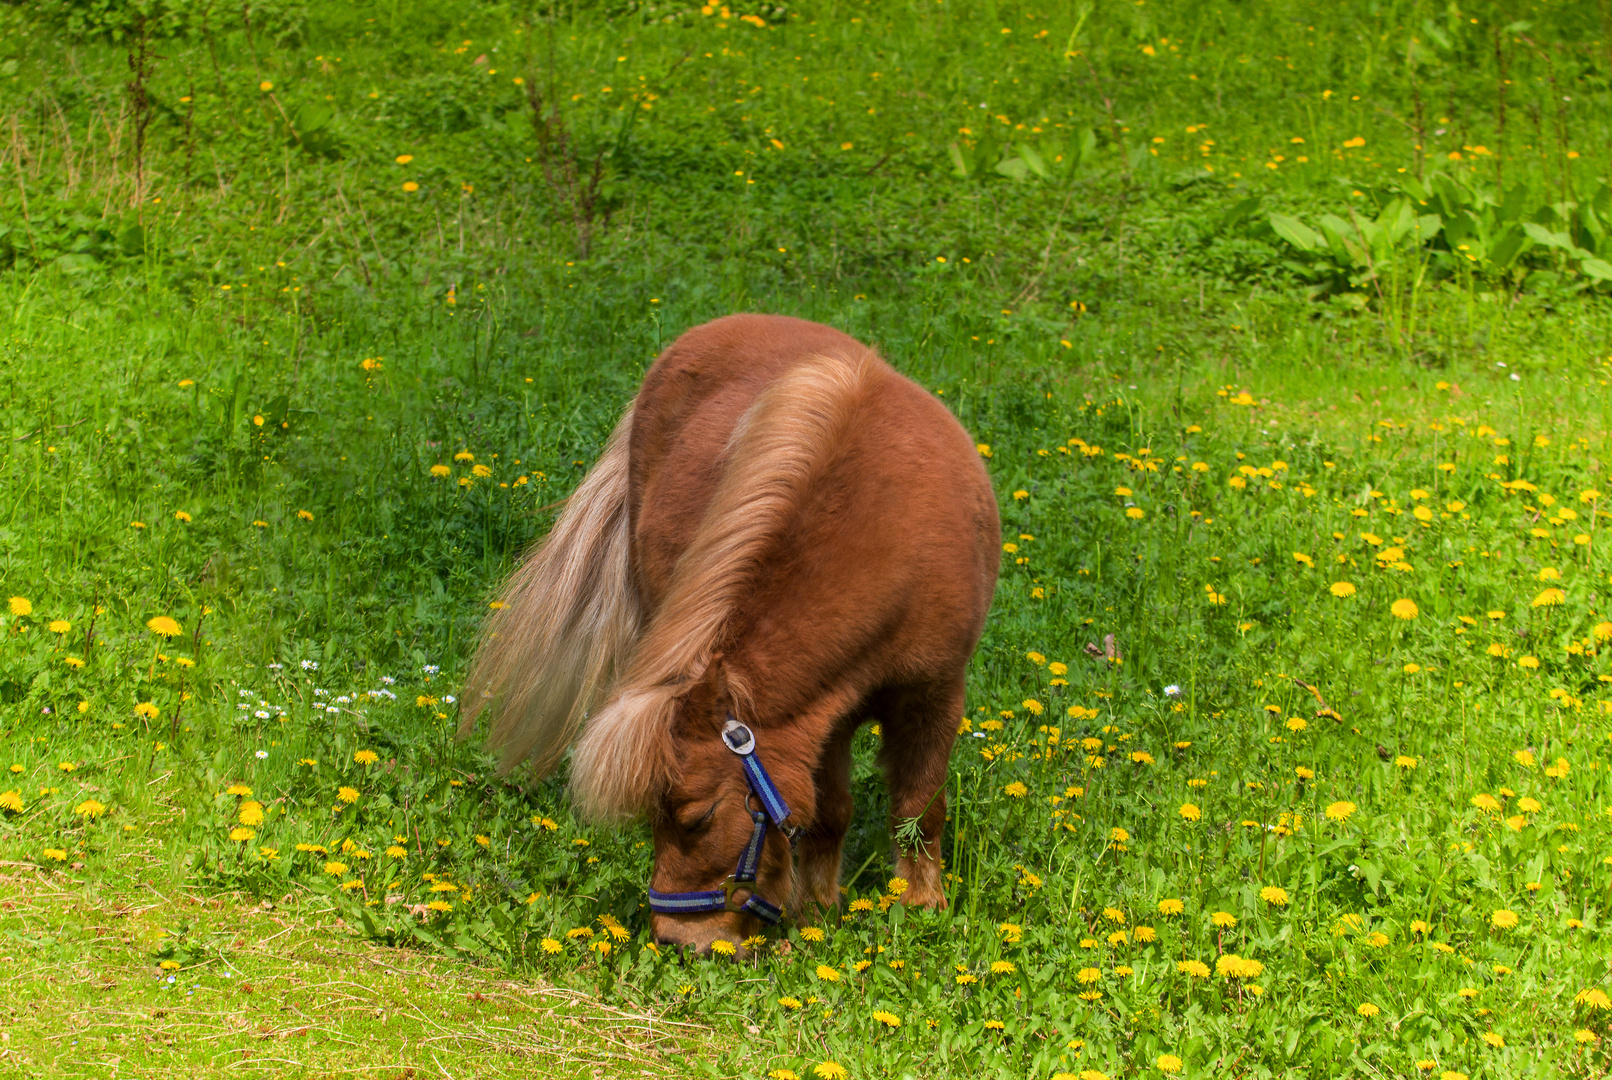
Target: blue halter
739, 738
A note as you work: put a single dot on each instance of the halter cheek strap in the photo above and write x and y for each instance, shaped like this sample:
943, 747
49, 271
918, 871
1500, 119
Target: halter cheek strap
742, 741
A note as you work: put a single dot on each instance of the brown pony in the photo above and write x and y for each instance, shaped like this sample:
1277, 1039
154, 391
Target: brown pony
782, 532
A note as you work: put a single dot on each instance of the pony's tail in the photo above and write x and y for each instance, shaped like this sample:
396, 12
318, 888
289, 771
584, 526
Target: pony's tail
564, 626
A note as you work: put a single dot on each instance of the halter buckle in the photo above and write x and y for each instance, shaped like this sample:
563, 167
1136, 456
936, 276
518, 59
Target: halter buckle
738, 738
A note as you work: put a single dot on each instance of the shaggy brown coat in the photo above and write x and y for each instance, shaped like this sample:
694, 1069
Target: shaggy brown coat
784, 528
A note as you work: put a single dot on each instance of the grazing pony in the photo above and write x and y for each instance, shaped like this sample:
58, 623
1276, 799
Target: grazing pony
783, 540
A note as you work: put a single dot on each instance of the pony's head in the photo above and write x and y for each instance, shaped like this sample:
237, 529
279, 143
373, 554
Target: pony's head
704, 823
674, 767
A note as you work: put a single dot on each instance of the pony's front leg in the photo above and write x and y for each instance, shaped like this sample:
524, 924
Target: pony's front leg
817, 855
918, 737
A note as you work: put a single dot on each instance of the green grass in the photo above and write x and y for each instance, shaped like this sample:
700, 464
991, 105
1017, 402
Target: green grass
276, 989
223, 408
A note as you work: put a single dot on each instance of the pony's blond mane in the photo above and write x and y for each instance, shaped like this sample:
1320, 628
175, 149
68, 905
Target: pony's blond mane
564, 625
777, 451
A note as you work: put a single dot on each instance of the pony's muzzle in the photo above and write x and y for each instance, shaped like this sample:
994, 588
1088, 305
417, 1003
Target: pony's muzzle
697, 933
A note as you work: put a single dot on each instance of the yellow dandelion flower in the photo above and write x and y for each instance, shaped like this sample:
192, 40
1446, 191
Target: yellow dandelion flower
1503, 919
366, 757
1340, 811
1367, 1009
347, 794
1190, 812
1341, 589
1232, 966
1404, 609
164, 626
1594, 998
888, 1019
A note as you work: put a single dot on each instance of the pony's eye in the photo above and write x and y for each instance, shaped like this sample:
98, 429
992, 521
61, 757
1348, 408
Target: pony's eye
692, 819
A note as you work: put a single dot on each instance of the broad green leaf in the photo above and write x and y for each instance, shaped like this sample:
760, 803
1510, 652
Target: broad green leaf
1295, 232
1028, 155
1013, 168
1547, 237
1599, 269
1512, 243
1238, 212
959, 163
1085, 145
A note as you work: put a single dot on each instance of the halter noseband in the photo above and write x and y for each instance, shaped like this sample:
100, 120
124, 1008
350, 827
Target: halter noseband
742, 741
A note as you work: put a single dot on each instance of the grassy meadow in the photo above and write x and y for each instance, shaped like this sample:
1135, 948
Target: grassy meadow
1284, 330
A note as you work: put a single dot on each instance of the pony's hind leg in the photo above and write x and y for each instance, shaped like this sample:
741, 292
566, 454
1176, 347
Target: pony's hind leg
817, 855
919, 729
